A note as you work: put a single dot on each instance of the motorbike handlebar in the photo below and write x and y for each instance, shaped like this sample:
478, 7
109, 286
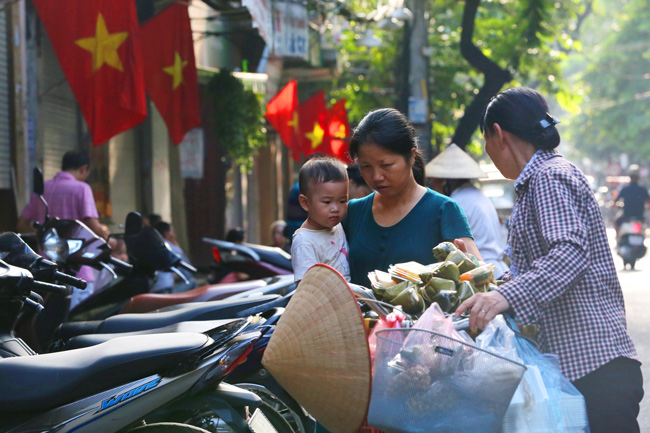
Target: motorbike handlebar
36, 306
187, 267
53, 288
69, 279
120, 266
36, 297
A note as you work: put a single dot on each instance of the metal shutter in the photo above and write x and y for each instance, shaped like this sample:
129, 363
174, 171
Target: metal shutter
57, 112
5, 134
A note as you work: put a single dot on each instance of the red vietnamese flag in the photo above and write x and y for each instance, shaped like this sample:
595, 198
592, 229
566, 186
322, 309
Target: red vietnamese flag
96, 42
313, 125
339, 129
168, 52
282, 114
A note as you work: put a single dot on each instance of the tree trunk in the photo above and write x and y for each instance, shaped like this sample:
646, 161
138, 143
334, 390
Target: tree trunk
495, 77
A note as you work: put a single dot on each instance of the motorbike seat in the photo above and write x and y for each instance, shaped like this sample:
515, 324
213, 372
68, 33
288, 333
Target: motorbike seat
153, 301
32, 383
200, 327
273, 256
212, 310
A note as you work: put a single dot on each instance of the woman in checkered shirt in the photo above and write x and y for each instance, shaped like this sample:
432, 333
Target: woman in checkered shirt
562, 276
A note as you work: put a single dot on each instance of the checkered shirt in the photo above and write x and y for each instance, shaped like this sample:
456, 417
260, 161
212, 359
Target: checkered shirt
567, 282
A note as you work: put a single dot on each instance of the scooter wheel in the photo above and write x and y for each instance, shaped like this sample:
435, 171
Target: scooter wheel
632, 263
168, 427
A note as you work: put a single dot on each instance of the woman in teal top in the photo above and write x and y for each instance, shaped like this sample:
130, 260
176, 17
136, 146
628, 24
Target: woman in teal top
402, 220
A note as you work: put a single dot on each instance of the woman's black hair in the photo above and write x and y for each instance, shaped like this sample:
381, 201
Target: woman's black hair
390, 130
522, 112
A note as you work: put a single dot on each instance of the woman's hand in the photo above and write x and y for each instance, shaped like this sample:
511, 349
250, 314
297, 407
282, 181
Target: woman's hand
485, 307
467, 245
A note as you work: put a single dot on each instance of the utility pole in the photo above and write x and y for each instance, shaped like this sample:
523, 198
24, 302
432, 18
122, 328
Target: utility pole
419, 74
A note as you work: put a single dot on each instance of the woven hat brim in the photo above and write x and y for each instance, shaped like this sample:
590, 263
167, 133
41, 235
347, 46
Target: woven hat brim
454, 163
319, 352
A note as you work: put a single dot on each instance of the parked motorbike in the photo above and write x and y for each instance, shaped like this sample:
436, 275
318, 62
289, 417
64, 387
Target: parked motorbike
280, 285
630, 245
128, 383
256, 261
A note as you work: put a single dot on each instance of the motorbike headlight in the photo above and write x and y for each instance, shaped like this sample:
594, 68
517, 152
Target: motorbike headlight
74, 245
54, 247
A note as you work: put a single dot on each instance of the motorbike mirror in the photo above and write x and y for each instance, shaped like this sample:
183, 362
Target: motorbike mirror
39, 185
39, 188
133, 223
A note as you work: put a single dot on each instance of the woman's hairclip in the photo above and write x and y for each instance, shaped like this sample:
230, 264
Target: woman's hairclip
549, 120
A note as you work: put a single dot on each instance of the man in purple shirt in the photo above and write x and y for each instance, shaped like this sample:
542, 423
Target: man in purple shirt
68, 197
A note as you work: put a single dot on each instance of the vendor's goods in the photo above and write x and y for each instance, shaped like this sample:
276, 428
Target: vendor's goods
442, 250
447, 299
392, 292
412, 286
429, 272
464, 263
449, 271
479, 276
465, 290
410, 300
430, 382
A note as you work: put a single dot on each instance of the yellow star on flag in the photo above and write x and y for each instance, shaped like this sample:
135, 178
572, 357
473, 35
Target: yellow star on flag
342, 133
104, 46
294, 122
316, 136
176, 70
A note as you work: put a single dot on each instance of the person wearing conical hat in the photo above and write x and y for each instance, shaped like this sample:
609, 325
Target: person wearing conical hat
451, 173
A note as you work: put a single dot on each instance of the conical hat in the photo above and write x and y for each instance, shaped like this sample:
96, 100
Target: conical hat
319, 352
454, 163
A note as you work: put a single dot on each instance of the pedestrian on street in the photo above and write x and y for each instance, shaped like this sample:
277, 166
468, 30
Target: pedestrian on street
68, 197
451, 174
166, 282
401, 220
277, 235
562, 276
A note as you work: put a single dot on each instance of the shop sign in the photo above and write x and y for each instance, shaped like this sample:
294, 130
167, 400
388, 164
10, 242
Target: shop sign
191, 153
290, 27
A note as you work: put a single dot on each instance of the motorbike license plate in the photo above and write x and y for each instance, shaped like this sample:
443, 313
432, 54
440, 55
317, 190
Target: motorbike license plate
258, 423
635, 241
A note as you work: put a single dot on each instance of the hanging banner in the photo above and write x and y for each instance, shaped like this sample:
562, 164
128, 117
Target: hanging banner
290, 30
260, 11
191, 153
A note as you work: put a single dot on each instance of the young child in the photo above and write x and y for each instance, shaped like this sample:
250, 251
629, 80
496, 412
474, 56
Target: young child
324, 195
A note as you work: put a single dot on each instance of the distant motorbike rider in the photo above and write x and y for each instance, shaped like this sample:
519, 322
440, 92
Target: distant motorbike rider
634, 197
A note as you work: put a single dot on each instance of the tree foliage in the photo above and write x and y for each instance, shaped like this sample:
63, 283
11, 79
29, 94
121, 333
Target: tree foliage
238, 120
525, 38
613, 74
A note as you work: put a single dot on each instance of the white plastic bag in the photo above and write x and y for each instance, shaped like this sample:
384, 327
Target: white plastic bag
545, 401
